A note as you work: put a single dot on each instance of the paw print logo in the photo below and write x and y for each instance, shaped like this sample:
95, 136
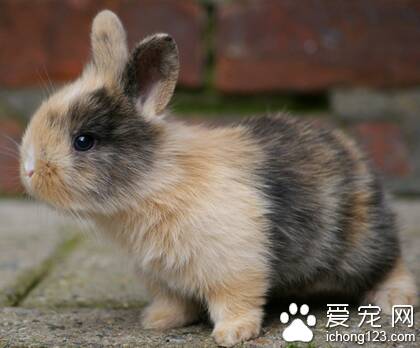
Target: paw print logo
297, 330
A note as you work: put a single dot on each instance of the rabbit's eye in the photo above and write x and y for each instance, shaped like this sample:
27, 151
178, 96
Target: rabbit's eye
83, 142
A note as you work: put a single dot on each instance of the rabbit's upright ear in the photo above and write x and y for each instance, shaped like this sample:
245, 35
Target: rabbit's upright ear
109, 45
151, 73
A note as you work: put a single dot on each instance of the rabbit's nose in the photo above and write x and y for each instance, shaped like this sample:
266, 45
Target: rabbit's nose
29, 164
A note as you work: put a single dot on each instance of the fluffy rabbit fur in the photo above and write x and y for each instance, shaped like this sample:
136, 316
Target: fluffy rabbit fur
215, 218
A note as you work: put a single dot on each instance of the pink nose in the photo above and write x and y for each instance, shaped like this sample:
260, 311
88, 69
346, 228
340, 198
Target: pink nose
30, 173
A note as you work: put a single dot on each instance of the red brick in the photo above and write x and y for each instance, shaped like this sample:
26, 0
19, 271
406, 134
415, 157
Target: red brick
10, 132
383, 141
67, 37
184, 20
23, 25
310, 45
52, 37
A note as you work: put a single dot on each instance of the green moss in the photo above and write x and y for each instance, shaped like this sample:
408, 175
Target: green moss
4, 195
213, 103
295, 345
28, 280
208, 101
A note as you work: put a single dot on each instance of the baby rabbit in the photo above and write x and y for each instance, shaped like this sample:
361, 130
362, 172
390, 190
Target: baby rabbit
215, 218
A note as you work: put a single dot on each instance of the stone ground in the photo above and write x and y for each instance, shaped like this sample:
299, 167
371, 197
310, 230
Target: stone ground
59, 287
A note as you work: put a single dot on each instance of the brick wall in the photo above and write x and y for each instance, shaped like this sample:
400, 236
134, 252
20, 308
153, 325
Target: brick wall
364, 54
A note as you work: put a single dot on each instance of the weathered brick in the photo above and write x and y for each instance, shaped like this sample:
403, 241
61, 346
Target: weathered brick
10, 132
383, 142
315, 44
184, 20
50, 40
23, 27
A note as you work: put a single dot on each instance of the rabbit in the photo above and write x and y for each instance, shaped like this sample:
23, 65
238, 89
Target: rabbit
216, 218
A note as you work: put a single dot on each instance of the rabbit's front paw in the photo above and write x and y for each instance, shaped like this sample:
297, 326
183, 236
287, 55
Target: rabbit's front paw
227, 334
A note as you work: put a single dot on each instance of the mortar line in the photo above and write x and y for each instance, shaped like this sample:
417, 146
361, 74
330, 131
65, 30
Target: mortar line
209, 43
38, 274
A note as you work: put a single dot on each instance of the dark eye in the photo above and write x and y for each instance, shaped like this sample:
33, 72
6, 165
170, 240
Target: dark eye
83, 142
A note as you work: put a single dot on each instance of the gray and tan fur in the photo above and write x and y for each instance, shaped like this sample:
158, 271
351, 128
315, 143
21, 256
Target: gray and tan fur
216, 218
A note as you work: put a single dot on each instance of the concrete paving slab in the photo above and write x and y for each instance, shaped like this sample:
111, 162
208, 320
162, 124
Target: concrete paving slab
95, 275
21, 327
89, 328
29, 236
98, 275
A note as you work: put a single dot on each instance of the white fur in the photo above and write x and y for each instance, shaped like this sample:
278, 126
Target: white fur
29, 161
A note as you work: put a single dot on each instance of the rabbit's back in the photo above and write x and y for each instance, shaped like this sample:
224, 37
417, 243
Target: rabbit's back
331, 227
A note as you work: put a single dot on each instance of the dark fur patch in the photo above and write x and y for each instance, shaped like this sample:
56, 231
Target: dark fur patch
310, 179
125, 141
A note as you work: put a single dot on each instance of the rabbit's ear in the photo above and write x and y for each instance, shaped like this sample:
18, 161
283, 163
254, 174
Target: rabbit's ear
152, 72
109, 44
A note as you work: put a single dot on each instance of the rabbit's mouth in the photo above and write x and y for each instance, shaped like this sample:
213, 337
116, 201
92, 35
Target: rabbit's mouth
43, 179
47, 185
